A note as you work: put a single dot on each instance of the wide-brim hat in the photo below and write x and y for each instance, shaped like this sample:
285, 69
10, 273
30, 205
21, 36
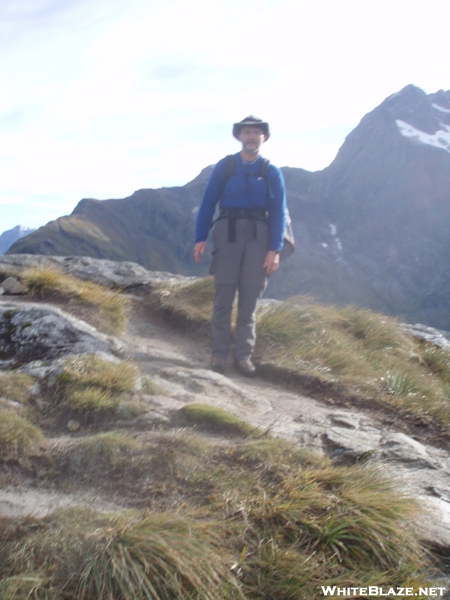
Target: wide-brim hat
251, 121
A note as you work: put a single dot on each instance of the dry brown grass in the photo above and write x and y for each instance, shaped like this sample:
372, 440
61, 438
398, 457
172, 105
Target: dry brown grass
18, 437
46, 280
274, 522
366, 352
188, 303
16, 386
82, 554
92, 386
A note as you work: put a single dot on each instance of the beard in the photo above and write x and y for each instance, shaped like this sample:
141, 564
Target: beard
251, 148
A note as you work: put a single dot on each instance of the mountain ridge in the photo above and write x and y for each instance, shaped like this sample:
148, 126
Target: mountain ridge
371, 228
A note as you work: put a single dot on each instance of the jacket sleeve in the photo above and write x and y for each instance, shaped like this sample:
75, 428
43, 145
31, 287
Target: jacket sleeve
277, 208
210, 198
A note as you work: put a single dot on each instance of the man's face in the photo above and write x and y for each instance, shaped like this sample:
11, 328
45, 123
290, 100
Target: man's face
252, 138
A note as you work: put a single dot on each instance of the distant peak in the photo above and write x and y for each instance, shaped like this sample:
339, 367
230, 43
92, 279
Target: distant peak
21, 229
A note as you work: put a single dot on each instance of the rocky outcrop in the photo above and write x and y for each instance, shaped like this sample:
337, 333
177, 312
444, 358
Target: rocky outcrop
36, 335
123, 275
428, 334
12, 286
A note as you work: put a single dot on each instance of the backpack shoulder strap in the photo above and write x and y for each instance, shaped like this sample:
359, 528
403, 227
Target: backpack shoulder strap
264, 167
230, 161
263, 170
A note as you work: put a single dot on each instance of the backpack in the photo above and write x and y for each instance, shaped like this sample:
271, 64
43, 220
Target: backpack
289, 242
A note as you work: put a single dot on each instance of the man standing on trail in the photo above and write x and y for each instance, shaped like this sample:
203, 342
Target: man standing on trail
247, 239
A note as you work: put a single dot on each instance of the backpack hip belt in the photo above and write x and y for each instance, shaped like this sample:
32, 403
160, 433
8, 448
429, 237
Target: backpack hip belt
232, 214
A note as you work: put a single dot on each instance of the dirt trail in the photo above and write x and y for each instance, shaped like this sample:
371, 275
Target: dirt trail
179, 363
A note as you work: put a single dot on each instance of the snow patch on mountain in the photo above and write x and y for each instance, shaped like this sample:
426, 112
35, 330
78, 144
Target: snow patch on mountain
337, 241
7, 238
441, 108
440, 139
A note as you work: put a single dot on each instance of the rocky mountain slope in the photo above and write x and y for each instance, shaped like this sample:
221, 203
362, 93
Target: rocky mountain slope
376, 221
371, 229
55, 476
7, 238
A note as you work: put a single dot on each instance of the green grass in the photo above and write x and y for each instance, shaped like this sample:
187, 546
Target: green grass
103, 374
90, 384
297, 521
44, 281
107, 448
18, 437
218, 419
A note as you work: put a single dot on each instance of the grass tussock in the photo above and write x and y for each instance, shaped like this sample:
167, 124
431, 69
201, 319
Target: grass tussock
188, 303
18, 437
298, 522
262, 519
108, 448
100, 373
218, 419
91, 385
47, 280
363, 351
16, 386
81, 554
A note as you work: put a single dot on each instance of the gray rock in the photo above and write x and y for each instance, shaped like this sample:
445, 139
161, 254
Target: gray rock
428, 334
401, 447
152, 417
73, 425
30, 332
12, 286
5, 403
352, 443
440, 492
2, 291
125, 274
345, 420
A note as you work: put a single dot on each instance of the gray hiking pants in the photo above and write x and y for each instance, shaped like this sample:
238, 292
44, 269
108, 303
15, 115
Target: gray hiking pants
237, 266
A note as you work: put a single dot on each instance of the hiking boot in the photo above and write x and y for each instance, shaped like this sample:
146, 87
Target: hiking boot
217, 364
245, 367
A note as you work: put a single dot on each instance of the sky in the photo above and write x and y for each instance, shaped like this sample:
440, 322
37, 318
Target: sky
99, 98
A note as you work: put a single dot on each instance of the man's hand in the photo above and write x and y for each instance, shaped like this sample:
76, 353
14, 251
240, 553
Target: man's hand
199, 248
272, 262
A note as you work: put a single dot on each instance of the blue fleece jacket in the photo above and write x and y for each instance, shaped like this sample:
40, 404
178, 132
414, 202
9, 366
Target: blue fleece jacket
245, 191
